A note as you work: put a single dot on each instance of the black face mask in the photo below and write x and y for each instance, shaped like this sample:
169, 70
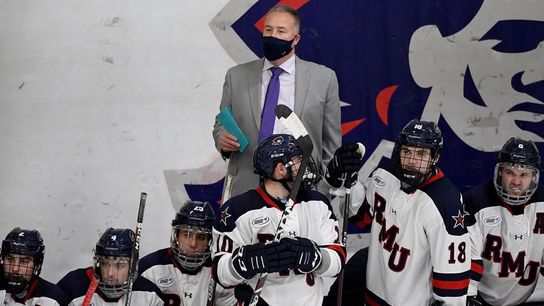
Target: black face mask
275, 48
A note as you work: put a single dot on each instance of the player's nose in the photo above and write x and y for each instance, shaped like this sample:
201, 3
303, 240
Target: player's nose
192, 242
14, 268
516, 181
111, 274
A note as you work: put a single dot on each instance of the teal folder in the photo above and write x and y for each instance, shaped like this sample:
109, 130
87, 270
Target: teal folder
226, 119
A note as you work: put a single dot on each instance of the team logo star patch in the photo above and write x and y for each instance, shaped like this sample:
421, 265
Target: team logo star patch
460, 219
225, 215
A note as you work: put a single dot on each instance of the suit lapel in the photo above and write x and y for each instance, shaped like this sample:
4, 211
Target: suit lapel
254, 76
302, 79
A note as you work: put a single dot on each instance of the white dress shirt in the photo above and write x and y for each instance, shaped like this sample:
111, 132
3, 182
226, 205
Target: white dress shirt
287, 88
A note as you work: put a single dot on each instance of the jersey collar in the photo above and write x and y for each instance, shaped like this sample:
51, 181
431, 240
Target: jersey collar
270, 201
180, 267
29, 293
439, 174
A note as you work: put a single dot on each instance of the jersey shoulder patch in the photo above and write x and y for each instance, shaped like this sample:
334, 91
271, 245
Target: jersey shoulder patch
143, 284
447, 199
235, 207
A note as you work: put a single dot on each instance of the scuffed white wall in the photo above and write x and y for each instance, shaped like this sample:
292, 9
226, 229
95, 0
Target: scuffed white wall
97, 98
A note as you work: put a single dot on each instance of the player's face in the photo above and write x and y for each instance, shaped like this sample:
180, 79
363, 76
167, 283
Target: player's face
281, 25
192, 241
516, 179
415, 159
114, 270
18, 266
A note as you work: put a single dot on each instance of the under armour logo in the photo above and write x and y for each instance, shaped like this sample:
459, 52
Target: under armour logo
516, 237
292, 233
394, 212
188, 294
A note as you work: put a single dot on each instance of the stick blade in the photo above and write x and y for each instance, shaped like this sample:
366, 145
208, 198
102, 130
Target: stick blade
291, 121
283, 111
306, 144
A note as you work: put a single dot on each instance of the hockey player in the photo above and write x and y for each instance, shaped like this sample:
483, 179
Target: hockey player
506, 227
111, 270
21, 260
419, 252
183, 270
309, 248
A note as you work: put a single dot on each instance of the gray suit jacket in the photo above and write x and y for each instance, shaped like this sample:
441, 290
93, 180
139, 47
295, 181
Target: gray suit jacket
316, 103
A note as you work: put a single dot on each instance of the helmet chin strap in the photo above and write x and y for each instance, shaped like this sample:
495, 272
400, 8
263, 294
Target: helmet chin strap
284, 182
408, 187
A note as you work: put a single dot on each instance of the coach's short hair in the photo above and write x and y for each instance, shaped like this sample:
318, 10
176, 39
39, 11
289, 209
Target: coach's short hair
289, 10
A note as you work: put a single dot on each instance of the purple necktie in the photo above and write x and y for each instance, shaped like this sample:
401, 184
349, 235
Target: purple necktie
268, 116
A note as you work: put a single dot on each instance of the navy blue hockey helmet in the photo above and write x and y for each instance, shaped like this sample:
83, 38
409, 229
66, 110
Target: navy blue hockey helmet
422, 134
517, 153
114, 245
419, 134
274, 149
195, 219
22, 242
115, 242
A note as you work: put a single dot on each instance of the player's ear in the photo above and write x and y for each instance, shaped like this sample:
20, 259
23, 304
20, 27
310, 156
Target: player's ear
280, 171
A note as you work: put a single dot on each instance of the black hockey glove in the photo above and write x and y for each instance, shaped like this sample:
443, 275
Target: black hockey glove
308, 254
249, 260
345, 163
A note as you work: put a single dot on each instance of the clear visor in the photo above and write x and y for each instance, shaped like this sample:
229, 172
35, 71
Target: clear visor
112, 274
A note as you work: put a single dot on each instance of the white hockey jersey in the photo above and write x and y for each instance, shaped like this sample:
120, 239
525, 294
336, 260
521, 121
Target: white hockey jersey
253, 217
75, 285
507, 245
419, 248
41, 292
180, 286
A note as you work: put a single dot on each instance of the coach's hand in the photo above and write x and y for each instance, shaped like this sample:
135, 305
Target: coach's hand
345, 165
308, 254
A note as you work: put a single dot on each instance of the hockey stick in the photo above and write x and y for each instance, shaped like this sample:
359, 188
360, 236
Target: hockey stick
227, 188
136, 248
347, 201
90, 292
297, 129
